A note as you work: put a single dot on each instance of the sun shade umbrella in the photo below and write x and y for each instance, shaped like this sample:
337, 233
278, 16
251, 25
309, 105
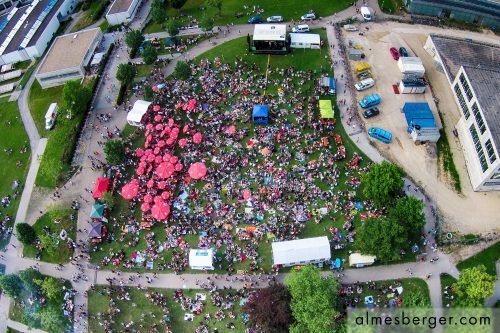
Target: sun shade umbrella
197, 138
197, 170
95, 230
145, 207
160, 211
97, 211
129, 191
100, 187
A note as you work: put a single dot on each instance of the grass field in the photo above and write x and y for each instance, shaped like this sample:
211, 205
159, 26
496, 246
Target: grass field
290, 10
63, 217
12, 136
144, 309
488, 257
446, 280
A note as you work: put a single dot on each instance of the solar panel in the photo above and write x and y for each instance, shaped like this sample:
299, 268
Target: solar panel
39, 20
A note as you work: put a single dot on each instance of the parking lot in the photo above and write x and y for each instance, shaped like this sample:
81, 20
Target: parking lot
460, 211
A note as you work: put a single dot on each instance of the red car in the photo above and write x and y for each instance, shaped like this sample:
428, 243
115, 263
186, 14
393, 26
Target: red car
394, 53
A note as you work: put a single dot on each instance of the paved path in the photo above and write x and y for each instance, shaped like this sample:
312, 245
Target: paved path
29, 124
22, 328
490, 301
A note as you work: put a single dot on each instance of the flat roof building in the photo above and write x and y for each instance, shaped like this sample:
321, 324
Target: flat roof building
25, 32
473, 71
122, 11
67, 57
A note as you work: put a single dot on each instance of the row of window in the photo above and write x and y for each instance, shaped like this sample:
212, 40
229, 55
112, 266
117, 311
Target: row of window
461, 101
465, 85
479, 148
479, 118
491, 151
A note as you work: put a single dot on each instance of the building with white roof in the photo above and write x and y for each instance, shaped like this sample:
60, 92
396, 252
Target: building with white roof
305, 41
134, 116
301, 251
122, 11
269, 38
202, 259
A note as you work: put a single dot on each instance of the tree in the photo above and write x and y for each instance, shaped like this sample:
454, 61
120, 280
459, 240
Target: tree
177, 4
207, 23
52, 319
25, 233
383, 238
409, 214
49, 243
173, 27
149, 55
126, 74
108, 198
216, 4
382, 183
134, 39
158, 12
314, 301
416, 299
28, 276
182, 70
114, 151
473, 287
269, 309
52, 288
76, 97
11, 284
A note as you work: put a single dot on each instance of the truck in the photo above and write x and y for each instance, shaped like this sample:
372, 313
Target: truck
362, 67
371, 100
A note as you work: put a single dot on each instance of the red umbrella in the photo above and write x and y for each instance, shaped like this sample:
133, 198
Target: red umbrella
197, 170
150, 183
156, 108
158, 118
162, 184
158, 127
178, 167
139, 152
165, 195
174, 159
129, 191
145, 207
101, 186
182, 142
140, 171
148, 198
160, 210
197, 137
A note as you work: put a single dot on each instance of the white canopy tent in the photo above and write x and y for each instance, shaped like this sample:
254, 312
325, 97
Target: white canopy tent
97, 58
134, 116
305, 41
301, 251
359, 260
201, 259
269, 32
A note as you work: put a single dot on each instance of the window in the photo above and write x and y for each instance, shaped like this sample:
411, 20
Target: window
461, 101
465, 85
479, 118
490, 150
479, 148
491, 183
496, 175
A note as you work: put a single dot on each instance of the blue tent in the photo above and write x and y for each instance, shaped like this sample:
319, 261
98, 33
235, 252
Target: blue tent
260, 114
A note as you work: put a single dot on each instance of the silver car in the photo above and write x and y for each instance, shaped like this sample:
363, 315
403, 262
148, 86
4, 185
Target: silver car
308, 16
275, 18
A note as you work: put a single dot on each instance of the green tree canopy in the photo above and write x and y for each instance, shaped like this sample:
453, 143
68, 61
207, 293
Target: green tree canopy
52, 288
173, 27
134, 39
269, 309
109, 199
149, 55
383, 238
25, 233
158, 12
28, 276
52, 319
314, 301
126, 74
416, 299
409, 214
11, 284
50, 243
473, 287
207, 23
382, 183
182, 70
177, 4
76, 97
216, 4
114, 151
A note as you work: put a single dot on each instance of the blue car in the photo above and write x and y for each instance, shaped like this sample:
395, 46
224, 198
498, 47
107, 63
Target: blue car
380, 134
255, 19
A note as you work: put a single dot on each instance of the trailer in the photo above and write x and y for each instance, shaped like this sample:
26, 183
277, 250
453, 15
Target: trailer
422, 126
411, 65
410, 86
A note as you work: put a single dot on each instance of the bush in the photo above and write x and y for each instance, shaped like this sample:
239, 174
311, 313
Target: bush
148, 93
182, 70
25, 233
177, 4
173, 27
121, 94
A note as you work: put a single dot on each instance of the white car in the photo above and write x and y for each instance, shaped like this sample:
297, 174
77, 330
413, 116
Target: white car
301, 28
308, 16
275, 18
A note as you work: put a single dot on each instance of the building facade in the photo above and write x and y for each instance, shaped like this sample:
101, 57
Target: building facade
122, 11
482, 12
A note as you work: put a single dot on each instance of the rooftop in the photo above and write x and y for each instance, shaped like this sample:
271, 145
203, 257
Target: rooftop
456, 52
269, 32
298, 250
68, 51
119, 6
486, 85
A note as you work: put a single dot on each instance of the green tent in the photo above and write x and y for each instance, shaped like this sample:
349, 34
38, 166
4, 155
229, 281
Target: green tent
325, 108
97, 212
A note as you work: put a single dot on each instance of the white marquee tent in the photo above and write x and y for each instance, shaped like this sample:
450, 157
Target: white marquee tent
201, 259
301, 251
134, 116
305, 41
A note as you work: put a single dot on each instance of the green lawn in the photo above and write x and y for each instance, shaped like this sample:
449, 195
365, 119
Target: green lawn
446, 281
91, 15
39, 100
488, 257
152, 316
144, 70
12, 136
290, 10
55, 220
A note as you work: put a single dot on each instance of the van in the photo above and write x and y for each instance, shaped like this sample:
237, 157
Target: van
50, 116
364, 84
301, 28
367, 13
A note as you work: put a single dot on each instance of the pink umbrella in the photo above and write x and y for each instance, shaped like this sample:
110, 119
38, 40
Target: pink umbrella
178, 105
165, 195
162, 184
149, 127
148, 151
170, 141
161, 143
166, 157
145, 207
176, 130
158, 118
129, 191
197, 137
140, 171
246, 194
170, 122
232, 129
158, 198
156, 108
154, 88
178, 167
151, 158
134, 181
162, 171
148, 198
182, 142
158, 127
197, 170
185, 129
160, 210
174, 159
143, 164
139, 152
170, 168
156, 151
150, 183
158, 159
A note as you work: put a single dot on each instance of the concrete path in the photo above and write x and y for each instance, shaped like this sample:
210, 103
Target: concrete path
22, 328
29, 124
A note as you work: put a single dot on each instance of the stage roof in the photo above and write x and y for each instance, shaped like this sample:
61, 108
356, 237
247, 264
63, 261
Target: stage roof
270, 32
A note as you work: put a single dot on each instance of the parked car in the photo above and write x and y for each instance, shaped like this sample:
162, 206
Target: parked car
380, 134
394, 53
372, 112
364, 84
371, 100
364, 75
275, 18
403, 52
308, 17
301, 28
255, 19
